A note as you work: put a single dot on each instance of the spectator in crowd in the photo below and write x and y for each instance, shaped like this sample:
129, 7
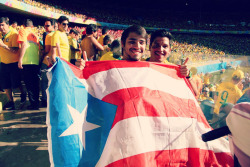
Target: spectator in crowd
105, 31
196, 80
90, 44
229, 92
14, 24
10, 76
50, 28
207, 77
134, 40
106, 42
115, 53
73, 38
160, 49
29, 62
59, 40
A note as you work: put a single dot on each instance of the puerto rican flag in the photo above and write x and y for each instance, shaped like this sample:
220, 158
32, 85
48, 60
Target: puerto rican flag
121, 113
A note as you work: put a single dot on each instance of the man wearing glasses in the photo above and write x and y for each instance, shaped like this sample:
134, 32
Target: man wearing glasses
50, 28
59, 41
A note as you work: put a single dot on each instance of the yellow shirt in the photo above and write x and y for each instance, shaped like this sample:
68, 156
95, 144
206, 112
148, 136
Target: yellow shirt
73, 43
227, 93
48, 43
108, 56
100, 40
62, 39
206, 80
10, 39
166, 62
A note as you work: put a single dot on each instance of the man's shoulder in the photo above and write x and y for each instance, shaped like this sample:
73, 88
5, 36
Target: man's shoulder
13, 31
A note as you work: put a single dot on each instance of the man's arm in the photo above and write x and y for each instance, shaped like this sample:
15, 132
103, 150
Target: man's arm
97, 44
22, 52
11, 49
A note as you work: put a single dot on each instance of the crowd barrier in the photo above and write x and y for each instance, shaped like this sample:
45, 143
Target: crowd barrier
210, 68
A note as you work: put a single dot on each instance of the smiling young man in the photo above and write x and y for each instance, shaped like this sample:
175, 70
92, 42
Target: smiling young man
59, 41
134, 40
160, 49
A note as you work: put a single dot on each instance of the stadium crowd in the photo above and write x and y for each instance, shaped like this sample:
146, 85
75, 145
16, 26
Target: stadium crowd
176, 21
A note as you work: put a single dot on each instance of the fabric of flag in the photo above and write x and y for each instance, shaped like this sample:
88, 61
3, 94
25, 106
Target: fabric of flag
121, 113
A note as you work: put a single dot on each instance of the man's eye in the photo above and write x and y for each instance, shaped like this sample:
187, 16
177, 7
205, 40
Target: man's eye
142, 42
155, 46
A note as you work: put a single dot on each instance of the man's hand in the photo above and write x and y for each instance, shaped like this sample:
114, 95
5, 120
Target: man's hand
20, 64
183, 69
80, 63
2, 44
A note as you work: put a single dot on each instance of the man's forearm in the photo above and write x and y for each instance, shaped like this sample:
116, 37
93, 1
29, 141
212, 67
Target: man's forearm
22, 51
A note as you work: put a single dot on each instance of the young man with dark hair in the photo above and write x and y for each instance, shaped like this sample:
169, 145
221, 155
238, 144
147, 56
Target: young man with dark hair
10, 76
160, 46
134, 40
90, 44
14, 24
29, 62
59, 40
50, 28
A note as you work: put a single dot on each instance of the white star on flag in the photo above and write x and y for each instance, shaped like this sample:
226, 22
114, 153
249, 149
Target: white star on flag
80, 125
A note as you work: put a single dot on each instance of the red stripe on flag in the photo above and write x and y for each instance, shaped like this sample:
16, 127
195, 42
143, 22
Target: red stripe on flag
194, 157
142, 101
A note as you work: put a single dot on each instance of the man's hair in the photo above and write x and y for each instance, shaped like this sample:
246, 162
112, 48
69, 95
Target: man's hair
28, 23
105, 30
115, 44
91, 28
136, 29
4, 20
52, 21
106, 39
161, 33
74, 31
14, 22
62, 18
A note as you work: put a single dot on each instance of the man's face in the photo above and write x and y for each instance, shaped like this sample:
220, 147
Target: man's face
160, 49
95, 34
48, 26
4, 28
63, 26
134, 47
14, 25
56, 26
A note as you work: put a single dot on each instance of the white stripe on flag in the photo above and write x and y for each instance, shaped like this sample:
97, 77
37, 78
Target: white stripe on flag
138, 135
103, 82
